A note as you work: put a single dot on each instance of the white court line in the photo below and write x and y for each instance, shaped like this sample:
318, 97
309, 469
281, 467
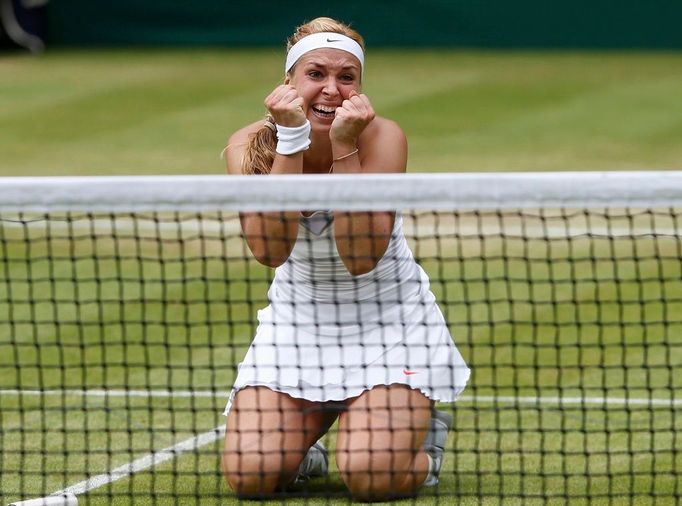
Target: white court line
476, 399
600, 401
114, 393
146, 462
416, 227
195, 442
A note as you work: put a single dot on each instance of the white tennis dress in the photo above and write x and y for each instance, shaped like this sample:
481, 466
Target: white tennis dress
328, 336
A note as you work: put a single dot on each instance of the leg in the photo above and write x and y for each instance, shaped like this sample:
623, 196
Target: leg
379, 450
267, 435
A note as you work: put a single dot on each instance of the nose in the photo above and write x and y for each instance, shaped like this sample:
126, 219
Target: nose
330, 88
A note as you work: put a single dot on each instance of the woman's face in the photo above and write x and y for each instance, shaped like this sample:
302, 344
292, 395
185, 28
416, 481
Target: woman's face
324, 78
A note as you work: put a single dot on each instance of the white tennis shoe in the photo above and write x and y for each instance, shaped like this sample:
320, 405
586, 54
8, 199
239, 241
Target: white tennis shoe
434, 444
315, 463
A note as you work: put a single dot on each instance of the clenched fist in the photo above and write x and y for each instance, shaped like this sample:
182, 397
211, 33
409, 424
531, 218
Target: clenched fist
351, 119
286, 106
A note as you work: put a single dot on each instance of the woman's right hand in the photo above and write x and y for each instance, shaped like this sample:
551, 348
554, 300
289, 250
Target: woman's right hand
286, 106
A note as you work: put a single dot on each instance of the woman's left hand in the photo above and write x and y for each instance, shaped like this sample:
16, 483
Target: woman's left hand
351, 119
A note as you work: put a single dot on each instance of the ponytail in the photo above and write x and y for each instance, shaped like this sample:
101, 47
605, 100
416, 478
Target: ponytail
259, 154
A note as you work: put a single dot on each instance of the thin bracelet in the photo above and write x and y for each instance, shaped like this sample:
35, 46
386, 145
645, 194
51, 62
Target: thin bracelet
345, 156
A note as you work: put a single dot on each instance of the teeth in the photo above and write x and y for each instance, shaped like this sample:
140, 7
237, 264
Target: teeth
325, 108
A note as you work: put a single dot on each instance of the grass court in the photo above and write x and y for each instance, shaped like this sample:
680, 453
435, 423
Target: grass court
574, 341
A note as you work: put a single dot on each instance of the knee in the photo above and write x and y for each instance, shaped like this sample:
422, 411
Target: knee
375, 479
367, 487
248, 476
257, 474
372, 486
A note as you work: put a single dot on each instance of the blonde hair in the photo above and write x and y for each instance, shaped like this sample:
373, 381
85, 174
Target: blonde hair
260, 149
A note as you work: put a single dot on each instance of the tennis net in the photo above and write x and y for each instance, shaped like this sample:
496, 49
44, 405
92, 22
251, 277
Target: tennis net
126, 305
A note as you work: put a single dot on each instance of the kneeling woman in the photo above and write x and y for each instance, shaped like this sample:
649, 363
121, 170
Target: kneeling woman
352, 331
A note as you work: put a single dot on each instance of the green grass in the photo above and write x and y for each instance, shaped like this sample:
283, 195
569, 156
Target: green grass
533, 317
578, 317
170, 112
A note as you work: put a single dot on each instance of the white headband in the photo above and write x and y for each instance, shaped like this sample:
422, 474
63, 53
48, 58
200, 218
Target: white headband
321, 40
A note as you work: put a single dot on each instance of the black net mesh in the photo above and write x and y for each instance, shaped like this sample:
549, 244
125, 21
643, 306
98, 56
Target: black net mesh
120, 337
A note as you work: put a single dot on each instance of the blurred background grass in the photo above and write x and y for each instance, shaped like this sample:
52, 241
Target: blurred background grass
170, 111
89, 107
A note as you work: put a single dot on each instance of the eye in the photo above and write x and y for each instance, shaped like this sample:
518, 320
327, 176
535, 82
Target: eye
348, 78
315, 74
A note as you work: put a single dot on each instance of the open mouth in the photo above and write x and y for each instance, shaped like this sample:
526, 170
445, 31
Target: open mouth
324, 111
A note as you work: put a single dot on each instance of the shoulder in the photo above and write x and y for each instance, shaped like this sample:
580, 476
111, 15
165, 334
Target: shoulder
383, 146
385, 130
236, 144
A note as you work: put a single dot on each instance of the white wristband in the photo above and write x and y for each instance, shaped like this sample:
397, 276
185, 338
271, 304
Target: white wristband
292, 140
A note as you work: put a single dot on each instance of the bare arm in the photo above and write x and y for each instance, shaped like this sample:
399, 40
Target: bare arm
362, 237
271, 235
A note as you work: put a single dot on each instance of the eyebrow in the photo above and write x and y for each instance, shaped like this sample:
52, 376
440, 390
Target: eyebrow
319, 64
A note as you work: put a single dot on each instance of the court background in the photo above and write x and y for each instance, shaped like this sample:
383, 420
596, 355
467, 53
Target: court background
156, 87
478, 86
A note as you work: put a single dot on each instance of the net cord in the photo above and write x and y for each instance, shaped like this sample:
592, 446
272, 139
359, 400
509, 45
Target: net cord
380, 191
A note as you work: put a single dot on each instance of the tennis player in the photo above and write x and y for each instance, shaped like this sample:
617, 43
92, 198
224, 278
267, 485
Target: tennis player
352, 331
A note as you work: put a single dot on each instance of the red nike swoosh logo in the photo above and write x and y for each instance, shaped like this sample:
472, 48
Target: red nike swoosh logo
407, 372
